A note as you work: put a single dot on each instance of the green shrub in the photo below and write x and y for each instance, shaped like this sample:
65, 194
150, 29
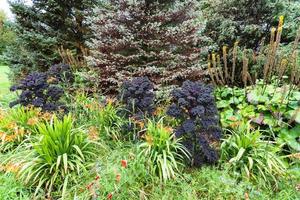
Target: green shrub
253, 158
10, 189
17, 124
270, 108
55, 158
163, 152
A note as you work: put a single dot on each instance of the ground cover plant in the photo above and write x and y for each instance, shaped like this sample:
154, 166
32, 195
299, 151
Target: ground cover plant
122, 99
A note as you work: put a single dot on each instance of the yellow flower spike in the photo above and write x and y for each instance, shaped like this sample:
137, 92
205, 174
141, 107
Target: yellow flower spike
141, 124
280, 29
224, 49
213, 55
273, 29
236, 43
281, 21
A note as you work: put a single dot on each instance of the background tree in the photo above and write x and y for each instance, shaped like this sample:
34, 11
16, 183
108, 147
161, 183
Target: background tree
248, 21
45, 26
145, 38
7, 35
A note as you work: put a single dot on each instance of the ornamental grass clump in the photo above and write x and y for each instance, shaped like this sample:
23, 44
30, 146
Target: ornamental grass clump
252, 156
194, 106
138, 97
56, 157
164, 153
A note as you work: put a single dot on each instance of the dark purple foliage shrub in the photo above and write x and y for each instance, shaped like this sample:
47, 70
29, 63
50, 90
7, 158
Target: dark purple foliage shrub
194, 105
61, 73
138, 96
40, 89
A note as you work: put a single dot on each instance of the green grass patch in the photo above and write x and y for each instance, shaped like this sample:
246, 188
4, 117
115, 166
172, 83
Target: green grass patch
5, 94
4, 82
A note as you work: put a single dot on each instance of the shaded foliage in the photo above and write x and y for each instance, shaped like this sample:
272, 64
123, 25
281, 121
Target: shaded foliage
248, 21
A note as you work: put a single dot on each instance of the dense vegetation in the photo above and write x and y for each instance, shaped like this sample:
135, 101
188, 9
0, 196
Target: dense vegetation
121, 99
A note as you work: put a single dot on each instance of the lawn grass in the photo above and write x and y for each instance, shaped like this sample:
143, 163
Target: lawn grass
4, 82
5, 94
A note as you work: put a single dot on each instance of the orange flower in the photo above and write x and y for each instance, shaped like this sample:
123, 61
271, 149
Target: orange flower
109, 196
12, 167
141, 124
118, 178
88, 106
158, 111
47, 116
19, 131
11, 125
124, 163
110, 101
93, 133
9, 138
33, 121
232, 118
168, 129
149, 139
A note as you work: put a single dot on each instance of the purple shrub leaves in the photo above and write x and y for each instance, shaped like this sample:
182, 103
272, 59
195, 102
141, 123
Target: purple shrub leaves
61, 73
194, 105
40, 89
137, 94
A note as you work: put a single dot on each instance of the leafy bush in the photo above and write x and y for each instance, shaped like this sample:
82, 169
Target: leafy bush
248, 153
61, 73
244, 67
40, 89
17, 124
163, 152
145, 38
271, 108
138, 97
37, 92
42, 28
243, 20
55, 158
194, 105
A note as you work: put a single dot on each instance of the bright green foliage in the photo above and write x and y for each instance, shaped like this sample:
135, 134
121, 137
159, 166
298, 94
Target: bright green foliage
291, 138
7, 36
16, 125
101, 116
163, 152
59, 154
5, 95
272, 108
249, 155
10, 189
